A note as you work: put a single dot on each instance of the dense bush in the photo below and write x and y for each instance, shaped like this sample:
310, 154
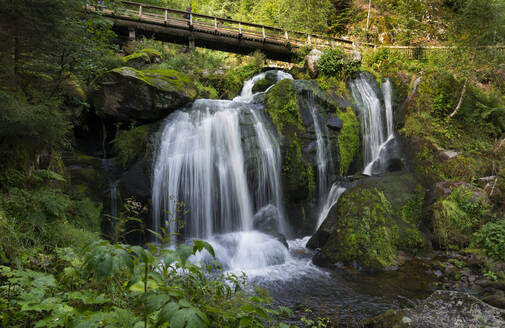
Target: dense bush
491, 237
335, 62
457, 216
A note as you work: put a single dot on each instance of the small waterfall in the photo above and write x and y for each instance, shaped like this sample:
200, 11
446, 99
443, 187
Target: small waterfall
323, 156
113, 200
335, 192
376, 119
201, 166
247, 93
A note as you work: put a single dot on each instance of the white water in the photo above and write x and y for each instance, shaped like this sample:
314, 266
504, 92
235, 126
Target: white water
376, 119
333, 196
260, 256
323, 157
200, 168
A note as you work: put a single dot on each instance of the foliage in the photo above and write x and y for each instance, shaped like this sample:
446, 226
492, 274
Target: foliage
491, 237
335, 62
457, 216
155, 287
130, 144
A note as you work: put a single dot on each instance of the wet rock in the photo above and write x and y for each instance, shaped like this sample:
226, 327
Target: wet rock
267, 220
334, 123
130, 95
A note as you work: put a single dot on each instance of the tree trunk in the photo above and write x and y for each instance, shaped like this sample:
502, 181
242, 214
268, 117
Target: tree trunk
461, 97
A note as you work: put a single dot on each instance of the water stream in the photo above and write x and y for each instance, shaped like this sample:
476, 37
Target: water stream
376, 116
217, 177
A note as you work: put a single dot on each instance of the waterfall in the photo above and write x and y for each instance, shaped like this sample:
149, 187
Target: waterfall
323, 156
113, 200
203, 178
333, 195
376, 118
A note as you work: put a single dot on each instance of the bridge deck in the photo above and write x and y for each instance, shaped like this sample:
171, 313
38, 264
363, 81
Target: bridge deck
211, 32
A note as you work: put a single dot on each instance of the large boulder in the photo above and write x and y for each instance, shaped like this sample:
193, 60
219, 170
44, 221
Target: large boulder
311, 61
371, 223
130, 95
443, 309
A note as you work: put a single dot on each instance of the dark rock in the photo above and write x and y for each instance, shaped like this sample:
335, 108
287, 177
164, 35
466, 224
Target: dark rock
495, 300
266, 220
311, 61
130, 95
334, 123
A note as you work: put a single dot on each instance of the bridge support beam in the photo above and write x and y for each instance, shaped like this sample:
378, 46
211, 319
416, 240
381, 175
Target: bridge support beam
191, 41
131, 34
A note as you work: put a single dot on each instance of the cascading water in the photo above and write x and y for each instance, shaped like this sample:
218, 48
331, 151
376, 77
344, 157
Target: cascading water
201, 164
323, 156
113, 200
331, 199
376, 119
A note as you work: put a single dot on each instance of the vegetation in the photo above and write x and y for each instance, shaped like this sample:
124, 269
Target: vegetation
56, 271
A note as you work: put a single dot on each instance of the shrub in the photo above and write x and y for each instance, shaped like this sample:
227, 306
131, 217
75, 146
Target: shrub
491, 237
130, 144
456, 217
335, 62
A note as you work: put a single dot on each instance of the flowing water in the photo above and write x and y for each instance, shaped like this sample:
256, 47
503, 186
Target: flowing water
324, 160
217, 177
376, 116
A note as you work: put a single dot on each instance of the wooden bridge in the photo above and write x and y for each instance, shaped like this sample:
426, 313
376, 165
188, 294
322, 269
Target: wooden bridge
175, 26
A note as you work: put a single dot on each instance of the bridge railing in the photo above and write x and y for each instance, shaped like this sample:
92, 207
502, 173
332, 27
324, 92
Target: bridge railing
218, 25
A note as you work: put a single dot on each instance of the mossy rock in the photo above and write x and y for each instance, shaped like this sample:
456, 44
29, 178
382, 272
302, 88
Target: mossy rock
349, 140
131, 95
371, 222
262, 85
297, 174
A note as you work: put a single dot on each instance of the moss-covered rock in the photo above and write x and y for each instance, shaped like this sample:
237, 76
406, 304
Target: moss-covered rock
371, 222
348, 139
130, 95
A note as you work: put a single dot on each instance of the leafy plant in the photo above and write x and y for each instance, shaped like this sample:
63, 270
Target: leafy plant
491, 237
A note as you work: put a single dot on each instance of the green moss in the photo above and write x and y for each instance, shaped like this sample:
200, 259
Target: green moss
130, 144
365, 231
412, 211
234, 79
348, 139
163, 79
283, 108
261, 85
370, 229
138, 55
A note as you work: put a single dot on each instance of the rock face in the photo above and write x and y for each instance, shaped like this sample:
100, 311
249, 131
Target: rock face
288, 105
371, 222
443, 309
130, 95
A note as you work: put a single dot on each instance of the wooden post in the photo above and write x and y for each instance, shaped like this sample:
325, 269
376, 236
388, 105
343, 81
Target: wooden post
131, 34
140, 11
239, 29
190, 19
215, 24
263, 31
310, 40
287, 36
166, 16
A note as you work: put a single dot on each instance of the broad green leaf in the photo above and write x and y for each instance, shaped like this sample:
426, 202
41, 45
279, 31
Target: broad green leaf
156, 301
167, 312
200, 245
